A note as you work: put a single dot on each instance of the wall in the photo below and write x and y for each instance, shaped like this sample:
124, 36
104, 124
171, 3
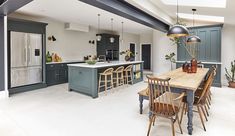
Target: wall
2, 53
161, 46
129, 38
228, 49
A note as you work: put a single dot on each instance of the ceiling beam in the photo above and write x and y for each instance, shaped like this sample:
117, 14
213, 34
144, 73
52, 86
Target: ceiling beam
126, 10
9, 6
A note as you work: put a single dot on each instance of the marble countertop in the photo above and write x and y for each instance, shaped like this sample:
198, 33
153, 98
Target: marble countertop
104, 64
203, 62
66, 61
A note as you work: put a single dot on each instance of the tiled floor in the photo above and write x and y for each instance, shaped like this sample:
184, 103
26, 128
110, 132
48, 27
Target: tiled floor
54, 111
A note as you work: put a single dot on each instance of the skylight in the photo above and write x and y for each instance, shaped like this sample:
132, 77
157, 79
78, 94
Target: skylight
198, 3
202, 17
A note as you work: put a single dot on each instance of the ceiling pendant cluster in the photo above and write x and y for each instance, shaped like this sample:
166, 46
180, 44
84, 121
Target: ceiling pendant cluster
178, 30
193, 39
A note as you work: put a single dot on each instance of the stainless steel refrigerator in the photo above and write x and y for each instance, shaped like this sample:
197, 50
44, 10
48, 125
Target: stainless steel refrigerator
26, 59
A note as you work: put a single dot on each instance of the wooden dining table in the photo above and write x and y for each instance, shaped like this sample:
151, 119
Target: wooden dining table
185, 82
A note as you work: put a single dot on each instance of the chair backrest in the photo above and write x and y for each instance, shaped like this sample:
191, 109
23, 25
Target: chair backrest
119, 69
160, 96
207, 85
128, 68
108, 71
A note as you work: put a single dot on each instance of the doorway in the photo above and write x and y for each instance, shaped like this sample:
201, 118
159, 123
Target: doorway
146, 56
132, 49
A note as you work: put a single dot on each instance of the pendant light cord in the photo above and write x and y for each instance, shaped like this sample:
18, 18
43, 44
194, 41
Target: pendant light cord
122, 30
177, 12
193, 18
98, 23
112, 24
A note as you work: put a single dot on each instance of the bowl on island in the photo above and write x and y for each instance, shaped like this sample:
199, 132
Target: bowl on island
91, 62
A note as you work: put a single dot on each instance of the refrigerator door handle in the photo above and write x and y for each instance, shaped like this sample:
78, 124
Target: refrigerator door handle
25, 55
29, 55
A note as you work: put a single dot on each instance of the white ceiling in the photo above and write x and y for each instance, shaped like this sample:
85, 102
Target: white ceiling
227, 13
78, 12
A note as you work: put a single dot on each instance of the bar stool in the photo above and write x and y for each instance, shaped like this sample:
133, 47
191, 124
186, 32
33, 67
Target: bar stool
118, 77
108, 73
128, 75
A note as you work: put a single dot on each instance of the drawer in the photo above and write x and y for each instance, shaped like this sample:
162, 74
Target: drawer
56, 66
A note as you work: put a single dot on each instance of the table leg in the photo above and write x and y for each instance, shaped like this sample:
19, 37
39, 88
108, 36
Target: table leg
190, 100
141, 99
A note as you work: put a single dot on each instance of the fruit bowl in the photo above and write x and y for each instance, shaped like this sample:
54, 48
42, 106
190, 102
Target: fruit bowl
91, 62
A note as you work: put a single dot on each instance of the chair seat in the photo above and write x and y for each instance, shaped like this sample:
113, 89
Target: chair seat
144, 92
165, 109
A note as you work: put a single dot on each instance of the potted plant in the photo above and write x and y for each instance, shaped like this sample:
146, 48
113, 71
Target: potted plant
128, 55
171, 58
230, 75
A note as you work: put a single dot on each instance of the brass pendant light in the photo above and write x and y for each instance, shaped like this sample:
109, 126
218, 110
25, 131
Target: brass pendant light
193, 39
178, 30
98, 36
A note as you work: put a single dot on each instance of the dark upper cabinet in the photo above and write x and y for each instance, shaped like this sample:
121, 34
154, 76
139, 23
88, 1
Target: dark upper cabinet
210, 47
105, 44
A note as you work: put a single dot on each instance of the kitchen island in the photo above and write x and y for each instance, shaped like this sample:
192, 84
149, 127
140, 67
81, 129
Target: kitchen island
83, 78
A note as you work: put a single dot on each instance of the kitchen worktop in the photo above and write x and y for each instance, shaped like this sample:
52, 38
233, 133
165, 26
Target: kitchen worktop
67, 61
105, 64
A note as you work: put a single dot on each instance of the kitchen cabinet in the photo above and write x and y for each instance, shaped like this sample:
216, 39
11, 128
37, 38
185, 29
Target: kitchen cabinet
57, 73
104, 45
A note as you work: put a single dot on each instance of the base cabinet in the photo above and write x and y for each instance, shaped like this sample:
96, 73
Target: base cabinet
57, 73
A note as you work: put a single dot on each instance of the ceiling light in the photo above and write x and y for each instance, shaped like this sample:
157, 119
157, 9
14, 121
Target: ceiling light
178, 30
202, 17
198, 3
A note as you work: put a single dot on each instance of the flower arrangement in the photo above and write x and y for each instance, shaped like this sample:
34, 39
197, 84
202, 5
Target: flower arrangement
128, 55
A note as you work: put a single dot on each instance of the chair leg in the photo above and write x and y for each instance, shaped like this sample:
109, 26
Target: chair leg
154, 120
204, 113
173, 127
182, 113
200, 114
209, 101
105, 84
99, 84
150, 125
207, 104
177, 117
207, 113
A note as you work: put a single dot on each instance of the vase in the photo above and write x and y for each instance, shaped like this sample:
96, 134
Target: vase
231, 84
194, 65
127, 58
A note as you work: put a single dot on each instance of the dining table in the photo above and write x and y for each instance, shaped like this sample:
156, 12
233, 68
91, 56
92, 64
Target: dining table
185, 82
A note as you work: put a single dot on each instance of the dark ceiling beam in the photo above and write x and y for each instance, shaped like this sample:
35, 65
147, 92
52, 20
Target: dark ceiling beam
126, 10
10, 6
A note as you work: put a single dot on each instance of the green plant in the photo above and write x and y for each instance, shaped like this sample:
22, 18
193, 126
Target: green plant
230, 75
171, 58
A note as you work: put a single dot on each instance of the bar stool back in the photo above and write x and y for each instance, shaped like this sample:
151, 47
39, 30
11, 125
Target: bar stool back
128, 74
105, 78
118, 76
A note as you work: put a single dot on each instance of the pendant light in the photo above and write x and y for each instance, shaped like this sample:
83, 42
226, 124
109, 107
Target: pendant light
98, 36
122, 40
178, 30
112, 38
193, 39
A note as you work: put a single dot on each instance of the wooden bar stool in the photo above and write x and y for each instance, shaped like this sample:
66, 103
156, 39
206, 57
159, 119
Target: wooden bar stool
118, 76
128, 74
107, 78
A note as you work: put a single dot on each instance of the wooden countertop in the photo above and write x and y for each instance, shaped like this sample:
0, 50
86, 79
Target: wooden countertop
183, 80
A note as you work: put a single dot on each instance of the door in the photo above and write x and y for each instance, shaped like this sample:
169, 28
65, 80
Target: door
132, 49
146, 56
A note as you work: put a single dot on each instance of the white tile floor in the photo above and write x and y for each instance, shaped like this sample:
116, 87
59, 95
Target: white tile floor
54, 111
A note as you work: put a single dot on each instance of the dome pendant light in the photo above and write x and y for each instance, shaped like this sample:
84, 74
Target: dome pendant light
178, 30
112, 38
98, 36
193, 39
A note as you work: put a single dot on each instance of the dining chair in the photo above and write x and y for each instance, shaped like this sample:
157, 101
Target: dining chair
200, 99
163, 103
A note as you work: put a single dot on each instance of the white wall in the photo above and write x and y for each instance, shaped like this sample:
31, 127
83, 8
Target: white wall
228, 49
129, 38
161, 46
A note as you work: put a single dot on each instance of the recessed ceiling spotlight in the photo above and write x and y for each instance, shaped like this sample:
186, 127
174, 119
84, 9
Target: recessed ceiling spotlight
198, 3
207, 18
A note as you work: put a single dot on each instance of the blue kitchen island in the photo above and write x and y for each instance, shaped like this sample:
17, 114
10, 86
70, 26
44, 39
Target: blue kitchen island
83, 78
